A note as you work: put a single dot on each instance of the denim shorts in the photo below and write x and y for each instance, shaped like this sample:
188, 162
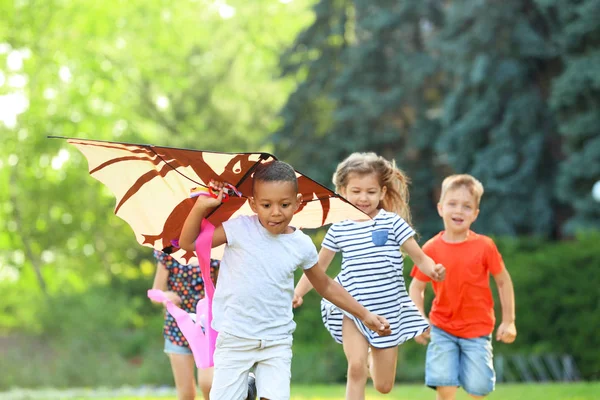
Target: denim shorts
171, 348
454, 361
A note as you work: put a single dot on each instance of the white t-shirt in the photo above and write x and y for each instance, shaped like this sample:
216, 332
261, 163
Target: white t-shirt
255, 289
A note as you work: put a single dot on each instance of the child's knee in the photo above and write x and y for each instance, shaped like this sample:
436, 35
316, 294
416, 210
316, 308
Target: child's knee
479, 384
204, 386
384, 387
357, 370
479, 389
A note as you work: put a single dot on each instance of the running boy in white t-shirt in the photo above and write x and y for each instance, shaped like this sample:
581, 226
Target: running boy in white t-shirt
252, 306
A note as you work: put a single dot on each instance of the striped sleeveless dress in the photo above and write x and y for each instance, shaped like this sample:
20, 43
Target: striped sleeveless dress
372, 267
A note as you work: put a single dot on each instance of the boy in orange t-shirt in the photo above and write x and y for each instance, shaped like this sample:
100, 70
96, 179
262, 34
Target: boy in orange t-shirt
462, 314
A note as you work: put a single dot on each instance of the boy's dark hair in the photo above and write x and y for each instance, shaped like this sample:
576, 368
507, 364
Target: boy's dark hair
275, 171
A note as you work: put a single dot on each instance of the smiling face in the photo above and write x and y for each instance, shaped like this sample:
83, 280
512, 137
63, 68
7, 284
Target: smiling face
275, 203
458, 208
364, 192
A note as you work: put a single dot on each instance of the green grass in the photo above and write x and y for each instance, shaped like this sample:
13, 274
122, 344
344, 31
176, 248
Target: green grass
575, 391
578, 391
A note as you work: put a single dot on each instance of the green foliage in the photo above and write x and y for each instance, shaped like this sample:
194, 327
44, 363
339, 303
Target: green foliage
497, 125
557, 298
513, 83
368, 84
194, 74
575, 99
314, 60
104, 336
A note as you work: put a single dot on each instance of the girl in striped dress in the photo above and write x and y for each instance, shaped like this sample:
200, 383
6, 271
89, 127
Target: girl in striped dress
372, 270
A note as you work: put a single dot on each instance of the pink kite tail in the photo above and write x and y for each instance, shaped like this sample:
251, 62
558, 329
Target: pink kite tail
199, 334
206, 349
184, 320
193, 331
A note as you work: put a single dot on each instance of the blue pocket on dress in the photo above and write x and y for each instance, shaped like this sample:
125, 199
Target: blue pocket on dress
380, 237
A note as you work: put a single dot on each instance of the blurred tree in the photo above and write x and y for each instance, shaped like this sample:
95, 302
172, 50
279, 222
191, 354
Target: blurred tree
575, 100
366, 83
497, 125
194, 73
378, 77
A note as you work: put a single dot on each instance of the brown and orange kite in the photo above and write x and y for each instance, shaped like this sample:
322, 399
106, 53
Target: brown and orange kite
152, 186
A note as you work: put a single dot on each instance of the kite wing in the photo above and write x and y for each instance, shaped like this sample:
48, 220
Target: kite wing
152, 186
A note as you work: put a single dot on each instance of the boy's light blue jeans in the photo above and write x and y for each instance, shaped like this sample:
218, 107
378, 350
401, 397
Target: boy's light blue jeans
454, 361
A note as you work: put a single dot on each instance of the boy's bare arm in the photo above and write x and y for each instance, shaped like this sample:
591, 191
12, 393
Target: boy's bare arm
416, 292
304, 286
334, 292
191, 226
507, 331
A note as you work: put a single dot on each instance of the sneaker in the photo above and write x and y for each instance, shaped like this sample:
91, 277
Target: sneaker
251, 387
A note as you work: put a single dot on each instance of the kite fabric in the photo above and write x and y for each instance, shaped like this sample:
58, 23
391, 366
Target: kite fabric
153, 187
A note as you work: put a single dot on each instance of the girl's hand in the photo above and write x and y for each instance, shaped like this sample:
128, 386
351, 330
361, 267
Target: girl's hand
438, 273
173, 297
297, 301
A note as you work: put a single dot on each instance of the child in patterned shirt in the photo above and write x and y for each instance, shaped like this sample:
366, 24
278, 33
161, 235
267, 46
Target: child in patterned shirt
184, 287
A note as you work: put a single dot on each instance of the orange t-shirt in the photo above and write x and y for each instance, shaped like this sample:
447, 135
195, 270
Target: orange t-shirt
463, 304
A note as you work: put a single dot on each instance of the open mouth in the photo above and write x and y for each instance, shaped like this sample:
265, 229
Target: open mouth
458, 220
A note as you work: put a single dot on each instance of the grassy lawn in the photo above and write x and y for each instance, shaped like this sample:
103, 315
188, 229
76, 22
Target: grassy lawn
576, 391
579, 391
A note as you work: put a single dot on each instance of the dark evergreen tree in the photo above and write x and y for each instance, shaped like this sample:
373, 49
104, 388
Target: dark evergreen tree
369, 84
506, 77
314, 61
497, 125
575, 100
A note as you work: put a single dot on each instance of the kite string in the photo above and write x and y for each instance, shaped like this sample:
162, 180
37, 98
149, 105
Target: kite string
175, 169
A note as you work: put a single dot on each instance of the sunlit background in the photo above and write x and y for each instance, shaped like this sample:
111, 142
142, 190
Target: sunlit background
508, 91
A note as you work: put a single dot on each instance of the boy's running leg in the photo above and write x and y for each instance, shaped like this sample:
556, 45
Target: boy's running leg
205, 378
234, 356
356, 349
383, 368
446, 392
477, 374
183, 373
442, 364
274, 369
